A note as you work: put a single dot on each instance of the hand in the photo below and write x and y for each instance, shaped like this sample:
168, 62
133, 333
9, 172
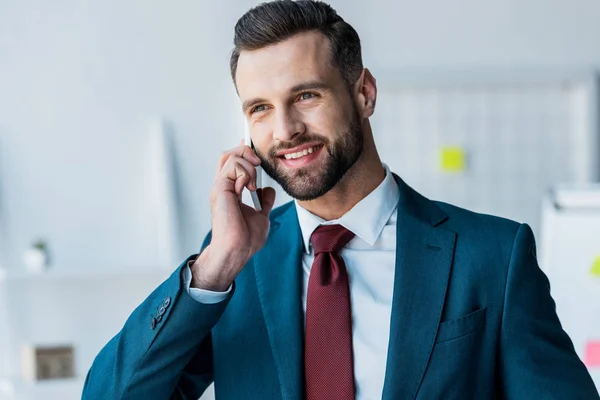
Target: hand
238, 231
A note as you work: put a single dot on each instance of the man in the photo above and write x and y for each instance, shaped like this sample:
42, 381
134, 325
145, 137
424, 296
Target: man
360, 288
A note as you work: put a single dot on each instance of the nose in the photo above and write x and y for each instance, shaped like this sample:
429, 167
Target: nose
287, 125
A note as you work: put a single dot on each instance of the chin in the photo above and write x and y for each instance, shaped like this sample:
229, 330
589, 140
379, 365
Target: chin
306, 190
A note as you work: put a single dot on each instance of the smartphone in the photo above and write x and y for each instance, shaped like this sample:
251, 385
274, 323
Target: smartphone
256, 198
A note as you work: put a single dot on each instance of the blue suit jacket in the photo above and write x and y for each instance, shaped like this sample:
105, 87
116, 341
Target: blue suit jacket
472, 318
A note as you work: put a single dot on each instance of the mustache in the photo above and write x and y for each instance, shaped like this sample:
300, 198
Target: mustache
300, 141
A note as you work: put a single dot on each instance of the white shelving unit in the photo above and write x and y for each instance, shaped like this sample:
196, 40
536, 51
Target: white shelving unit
571, 228
17, 389
80, 308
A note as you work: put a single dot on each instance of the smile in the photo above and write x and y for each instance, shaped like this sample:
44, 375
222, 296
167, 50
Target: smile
302, 157
299, 154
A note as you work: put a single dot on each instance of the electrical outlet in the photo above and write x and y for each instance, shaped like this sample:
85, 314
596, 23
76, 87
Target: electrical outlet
48, 362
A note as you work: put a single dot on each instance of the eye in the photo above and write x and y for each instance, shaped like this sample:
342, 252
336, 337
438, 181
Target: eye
258, 108
307, 95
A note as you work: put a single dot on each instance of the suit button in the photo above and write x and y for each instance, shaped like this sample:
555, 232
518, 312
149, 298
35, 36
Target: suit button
161, 310
153, 323
167, 302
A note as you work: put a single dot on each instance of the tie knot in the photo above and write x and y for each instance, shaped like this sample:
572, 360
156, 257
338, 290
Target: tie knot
330, 238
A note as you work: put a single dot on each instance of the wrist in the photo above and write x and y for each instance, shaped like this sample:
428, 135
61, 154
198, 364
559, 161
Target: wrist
213, 272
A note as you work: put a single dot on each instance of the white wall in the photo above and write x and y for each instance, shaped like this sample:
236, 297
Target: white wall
79, 81
510, 33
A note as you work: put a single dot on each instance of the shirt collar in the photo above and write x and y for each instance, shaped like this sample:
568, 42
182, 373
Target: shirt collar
366, 219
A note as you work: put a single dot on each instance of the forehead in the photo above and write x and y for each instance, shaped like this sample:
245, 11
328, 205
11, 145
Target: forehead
276, 68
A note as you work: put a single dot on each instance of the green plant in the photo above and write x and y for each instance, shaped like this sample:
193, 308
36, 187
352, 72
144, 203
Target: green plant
41, 245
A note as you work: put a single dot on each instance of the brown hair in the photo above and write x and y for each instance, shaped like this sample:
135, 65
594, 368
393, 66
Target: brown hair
275, 21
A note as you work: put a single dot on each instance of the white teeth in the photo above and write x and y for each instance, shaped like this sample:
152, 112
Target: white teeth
299, 154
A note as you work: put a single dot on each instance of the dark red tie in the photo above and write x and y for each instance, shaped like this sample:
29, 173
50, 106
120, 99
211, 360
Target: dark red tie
328, 363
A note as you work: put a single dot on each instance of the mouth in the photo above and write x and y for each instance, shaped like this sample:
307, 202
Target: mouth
298, 152
300, 156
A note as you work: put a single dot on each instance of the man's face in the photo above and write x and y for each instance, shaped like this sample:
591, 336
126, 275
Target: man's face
304, 122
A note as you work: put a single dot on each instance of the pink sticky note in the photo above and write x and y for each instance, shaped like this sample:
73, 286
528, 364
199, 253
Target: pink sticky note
592, 354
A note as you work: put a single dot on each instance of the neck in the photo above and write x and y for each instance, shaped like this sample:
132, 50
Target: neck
360, 180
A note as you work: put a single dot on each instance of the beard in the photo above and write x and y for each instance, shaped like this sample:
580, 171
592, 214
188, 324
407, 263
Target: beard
310, 182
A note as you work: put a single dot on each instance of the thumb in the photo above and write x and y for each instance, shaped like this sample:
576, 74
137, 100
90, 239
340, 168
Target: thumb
267, 196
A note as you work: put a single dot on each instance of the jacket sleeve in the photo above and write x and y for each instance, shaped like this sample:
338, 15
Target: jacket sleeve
536, 355
163, 351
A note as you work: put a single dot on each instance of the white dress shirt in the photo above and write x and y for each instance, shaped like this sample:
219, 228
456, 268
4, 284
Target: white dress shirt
370, 261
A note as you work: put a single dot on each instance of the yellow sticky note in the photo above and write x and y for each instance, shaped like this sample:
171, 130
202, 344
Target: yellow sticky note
595, 271
453, 159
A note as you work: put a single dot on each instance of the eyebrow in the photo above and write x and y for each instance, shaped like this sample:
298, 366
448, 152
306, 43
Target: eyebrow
312, 85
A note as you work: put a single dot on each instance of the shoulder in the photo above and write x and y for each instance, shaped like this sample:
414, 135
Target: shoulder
486, 226
482, 238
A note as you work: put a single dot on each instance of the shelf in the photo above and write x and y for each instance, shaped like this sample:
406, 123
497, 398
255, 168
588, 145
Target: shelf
63, 389
82, 274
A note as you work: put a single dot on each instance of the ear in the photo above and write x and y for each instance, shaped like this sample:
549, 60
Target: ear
365, 91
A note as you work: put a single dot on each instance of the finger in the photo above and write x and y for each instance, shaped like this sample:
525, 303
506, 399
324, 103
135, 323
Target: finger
267, 200
240, 183
239, 173
243, 151
237, 166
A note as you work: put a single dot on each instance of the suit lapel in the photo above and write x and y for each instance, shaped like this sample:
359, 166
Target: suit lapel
424, 257
278, 268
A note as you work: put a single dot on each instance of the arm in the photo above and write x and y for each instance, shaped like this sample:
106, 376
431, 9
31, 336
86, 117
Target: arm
174, 358
537, 357
166, 353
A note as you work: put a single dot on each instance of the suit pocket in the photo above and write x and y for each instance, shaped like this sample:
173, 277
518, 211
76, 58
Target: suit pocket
462, 326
